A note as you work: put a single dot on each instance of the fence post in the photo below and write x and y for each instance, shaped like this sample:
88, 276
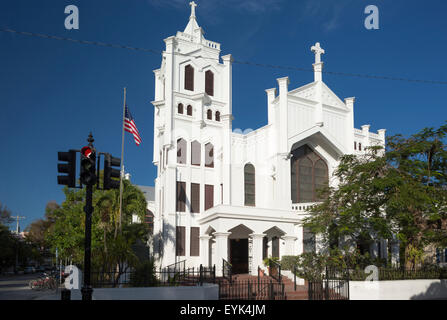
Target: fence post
294, 277
309, 290
283, 294
271, 290
326, 291
201, 275
347, 280
279, 271
248, 290
223, 267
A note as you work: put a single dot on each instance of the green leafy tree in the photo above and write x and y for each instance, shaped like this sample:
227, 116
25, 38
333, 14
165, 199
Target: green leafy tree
399, 192
5, 215
8, 245
111, 246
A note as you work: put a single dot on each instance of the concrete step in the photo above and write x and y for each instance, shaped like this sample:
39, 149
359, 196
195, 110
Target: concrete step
296, 296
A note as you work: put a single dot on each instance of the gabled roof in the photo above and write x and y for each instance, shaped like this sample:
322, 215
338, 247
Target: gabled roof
322, 135
149, 192
308, 92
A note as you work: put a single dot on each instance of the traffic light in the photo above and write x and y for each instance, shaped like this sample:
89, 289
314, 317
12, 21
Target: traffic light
88, 168
69, 168
110, 172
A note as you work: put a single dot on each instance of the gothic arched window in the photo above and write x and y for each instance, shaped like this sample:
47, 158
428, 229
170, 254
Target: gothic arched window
180, 108
305, 187
195, 153
189, 110
249, 185
181, 151
217, 116
320, 178
209, 114
209, 83
309, 174
189, 78
209, 155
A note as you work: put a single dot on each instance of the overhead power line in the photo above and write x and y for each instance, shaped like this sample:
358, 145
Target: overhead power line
263, 65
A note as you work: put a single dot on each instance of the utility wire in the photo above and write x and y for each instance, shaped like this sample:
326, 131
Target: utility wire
111, 45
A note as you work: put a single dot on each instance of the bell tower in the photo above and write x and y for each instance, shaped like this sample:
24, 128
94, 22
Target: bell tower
192, 109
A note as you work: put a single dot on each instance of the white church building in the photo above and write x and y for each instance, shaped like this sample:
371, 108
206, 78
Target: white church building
224, 195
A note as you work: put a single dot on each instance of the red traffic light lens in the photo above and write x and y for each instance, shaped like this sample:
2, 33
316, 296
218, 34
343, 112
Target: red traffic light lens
86, 151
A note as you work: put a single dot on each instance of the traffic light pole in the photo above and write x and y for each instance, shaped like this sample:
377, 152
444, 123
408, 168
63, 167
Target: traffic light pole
87, 290
89, 176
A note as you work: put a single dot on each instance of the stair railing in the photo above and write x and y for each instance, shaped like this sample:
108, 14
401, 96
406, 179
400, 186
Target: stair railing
227, 270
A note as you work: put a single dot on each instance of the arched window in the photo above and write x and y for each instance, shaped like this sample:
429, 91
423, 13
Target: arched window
309, 174
209, 155
180, 108
249, 185
305, 190
189, 78
209, 83
189, 110
209, 114
181, 151
195, 153
149, 221
320, 178
217, 116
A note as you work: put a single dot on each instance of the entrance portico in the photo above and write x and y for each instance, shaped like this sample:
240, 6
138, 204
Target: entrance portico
244, 236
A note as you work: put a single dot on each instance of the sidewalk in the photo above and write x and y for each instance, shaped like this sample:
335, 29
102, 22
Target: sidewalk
53, 295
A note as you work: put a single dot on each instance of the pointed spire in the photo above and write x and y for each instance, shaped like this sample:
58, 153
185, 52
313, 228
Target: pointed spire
193, 28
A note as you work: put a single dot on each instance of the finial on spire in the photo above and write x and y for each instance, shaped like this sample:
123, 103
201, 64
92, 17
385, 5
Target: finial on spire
193, 9
318, 52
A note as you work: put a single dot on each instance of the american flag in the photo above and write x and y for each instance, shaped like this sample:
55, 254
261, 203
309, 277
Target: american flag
129, 126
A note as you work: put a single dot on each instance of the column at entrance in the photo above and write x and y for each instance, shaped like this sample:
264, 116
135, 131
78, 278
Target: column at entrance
257, 239
289, 249
221, 250
205, 250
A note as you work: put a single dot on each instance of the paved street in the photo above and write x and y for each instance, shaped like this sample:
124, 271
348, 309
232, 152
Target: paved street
15, 287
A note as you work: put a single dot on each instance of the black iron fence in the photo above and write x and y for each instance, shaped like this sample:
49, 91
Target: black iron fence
382, 274
168, 276
333, 284
251, 290
328, 290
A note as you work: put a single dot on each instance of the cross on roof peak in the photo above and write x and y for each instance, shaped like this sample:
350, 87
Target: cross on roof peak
318, 52
193, 9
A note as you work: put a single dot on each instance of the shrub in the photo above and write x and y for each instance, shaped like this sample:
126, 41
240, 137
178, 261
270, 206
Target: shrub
267, 261
311, 266
144, 275
288, 262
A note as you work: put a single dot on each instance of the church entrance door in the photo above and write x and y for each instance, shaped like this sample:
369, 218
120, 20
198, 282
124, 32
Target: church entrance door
239, 255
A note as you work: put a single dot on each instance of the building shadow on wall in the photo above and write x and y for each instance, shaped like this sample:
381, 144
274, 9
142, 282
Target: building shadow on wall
162, 237
436, 291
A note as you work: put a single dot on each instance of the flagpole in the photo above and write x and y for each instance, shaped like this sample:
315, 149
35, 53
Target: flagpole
122, 161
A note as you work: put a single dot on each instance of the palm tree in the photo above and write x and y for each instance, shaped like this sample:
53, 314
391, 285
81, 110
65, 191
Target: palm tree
117, 250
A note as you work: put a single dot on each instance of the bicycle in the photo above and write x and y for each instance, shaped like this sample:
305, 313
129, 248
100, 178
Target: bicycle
45, 282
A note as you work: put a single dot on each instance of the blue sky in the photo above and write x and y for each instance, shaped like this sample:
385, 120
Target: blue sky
53, 93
